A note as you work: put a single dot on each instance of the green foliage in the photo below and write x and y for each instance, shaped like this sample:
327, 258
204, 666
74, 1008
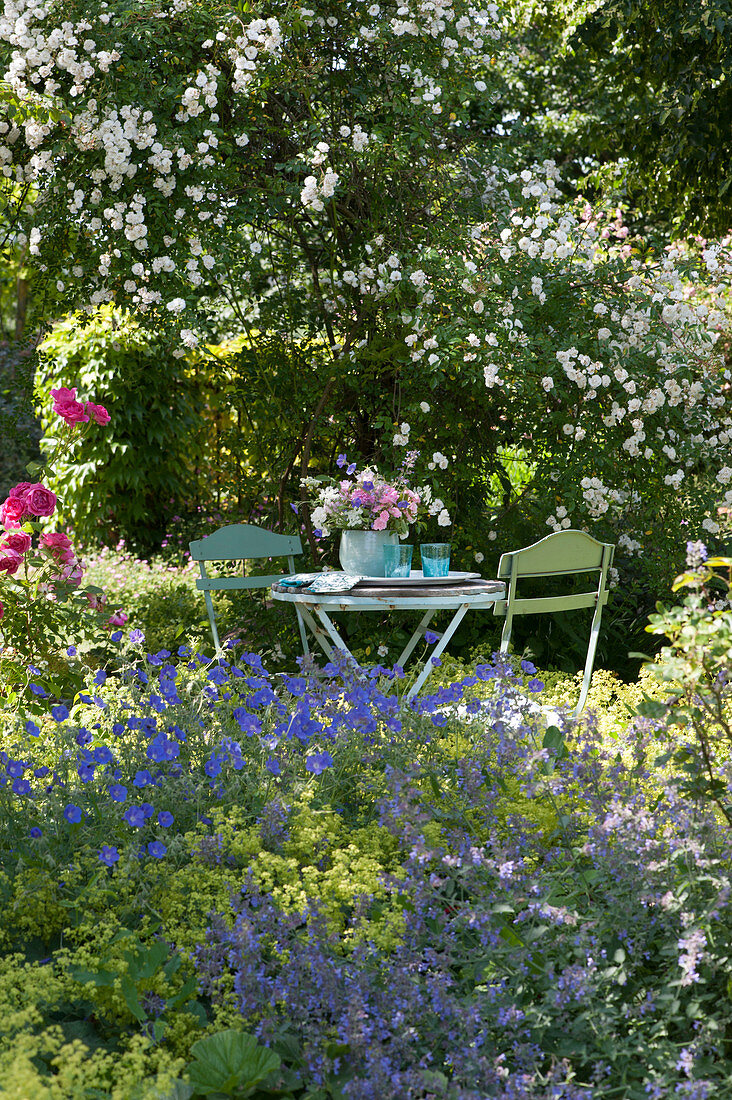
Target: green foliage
127, 484
232, 1063
694, 672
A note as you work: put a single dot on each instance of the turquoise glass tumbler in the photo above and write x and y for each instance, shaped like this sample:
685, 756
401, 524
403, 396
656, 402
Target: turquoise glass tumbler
435, 559
397, 560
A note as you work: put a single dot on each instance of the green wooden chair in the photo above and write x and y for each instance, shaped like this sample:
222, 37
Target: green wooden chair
561, 554
243, 542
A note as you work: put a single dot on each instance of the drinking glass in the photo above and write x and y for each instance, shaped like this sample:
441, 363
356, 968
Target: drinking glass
435, 558
397, 560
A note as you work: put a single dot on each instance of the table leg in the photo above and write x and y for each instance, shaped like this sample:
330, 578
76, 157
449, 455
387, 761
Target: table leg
335, 636
318, 633
421, 679
408, 649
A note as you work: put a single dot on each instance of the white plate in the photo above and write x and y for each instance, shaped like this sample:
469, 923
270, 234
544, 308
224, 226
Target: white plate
417, 577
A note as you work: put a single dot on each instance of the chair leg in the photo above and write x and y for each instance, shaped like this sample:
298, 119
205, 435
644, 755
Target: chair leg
212, 620
589, 663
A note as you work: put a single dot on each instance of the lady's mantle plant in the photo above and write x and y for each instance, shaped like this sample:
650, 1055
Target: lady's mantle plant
43, 607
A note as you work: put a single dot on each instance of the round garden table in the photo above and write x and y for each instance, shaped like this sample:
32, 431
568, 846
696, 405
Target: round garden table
459, 597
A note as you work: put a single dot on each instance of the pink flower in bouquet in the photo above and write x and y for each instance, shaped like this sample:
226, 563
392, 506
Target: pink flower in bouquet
10, 560
98, 413
388, 496
381, 521
13, 511
40, 501
18, 541
67, 407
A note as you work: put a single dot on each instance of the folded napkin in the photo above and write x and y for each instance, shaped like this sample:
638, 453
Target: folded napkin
297, 580
332, 581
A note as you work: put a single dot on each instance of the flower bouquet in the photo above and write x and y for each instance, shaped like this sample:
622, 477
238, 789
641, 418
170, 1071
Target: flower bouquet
369, 502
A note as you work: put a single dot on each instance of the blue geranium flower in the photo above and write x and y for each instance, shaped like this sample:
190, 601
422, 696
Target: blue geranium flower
317, 762
100, 676
535, 685
60, 712
36, 833
430, 637
527, 666
157, 849
135, 816
341, 461
165, 819
108, 854
21, 786
273, 766
32, 729
38, 690
117, 792
72, 814
137, 637
142, 778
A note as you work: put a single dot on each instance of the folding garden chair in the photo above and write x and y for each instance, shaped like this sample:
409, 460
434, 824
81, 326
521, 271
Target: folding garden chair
243, 542
561, 554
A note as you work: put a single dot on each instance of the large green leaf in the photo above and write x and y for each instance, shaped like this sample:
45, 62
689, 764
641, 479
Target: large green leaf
228, 1061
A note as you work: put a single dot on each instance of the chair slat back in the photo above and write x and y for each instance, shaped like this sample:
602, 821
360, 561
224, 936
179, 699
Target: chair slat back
240, 541
558, 554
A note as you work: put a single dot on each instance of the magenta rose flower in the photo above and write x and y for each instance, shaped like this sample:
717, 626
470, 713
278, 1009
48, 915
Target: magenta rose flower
58, 546
40, 501
20, 489
13, 511
18, 540
10, 560
98, 413
67, 407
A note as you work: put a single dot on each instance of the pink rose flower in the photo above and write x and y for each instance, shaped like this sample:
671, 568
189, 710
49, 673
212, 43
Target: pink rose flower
13, 511
10, 560
98, 413
67, 407
40, 501
56, 540
18, 540
381, 521
19, 490
70, 574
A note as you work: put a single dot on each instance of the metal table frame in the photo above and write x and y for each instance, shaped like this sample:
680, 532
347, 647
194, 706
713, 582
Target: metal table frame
314, 607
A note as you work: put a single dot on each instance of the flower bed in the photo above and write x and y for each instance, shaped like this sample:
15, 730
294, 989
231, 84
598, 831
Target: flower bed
459, 900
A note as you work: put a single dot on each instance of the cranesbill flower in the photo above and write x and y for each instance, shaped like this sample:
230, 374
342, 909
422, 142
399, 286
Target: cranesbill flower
117, 792
60, 713
165, 819
108, 854
135, 816
72, 813
317, 762
157, 849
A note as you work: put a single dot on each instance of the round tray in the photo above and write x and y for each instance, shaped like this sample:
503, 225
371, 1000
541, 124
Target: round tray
416, 577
